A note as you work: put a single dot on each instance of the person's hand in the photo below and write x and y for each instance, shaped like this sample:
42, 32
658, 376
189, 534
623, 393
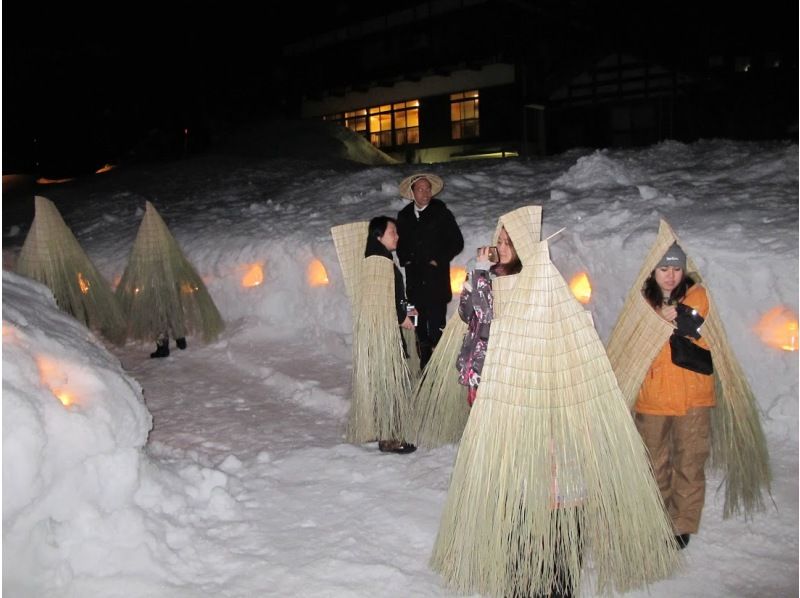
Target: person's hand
668, 312
407, 324
483, 254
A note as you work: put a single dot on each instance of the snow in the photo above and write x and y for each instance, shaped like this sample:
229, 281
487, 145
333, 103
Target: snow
222, 470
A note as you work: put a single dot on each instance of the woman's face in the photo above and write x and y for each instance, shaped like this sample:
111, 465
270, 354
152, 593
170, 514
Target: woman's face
667, 278
505, 248
390, 237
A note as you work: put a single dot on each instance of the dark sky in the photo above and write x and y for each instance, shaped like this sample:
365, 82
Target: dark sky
85, 82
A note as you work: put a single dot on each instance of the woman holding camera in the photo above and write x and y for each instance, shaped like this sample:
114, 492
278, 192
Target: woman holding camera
672, 411
475, 308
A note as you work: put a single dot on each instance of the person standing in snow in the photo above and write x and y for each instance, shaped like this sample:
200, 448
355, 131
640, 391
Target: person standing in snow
672, 412
475, 308
429, 239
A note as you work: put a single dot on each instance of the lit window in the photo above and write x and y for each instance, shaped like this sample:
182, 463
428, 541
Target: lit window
406, 122
380, 125
356, 120
464, 115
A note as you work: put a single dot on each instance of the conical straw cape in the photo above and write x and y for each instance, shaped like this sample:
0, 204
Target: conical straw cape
52, 255
551, 472
440, 402
380, 407
739, 448
160, 290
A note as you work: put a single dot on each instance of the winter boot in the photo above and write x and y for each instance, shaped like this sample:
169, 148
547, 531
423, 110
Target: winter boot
162, 349
181, 342
682, 540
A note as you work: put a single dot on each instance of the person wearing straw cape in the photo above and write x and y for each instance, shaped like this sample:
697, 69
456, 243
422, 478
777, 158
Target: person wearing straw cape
161, 293
689, 411
52, 255
381, 383
475, 307
550, 471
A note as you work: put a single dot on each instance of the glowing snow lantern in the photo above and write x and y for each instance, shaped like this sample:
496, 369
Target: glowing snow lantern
581, 288
254, 276
83, 283
317, 275
55, 378
778, 328
458, 274
104, 168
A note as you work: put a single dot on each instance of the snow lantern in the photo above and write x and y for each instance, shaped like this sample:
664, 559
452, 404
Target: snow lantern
253, 276
317, 275
56, 379
778, 328
458, 274
581, 288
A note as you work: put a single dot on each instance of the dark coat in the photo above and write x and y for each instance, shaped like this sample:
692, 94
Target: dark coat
435, 236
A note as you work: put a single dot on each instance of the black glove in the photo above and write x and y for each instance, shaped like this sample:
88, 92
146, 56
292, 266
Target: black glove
688, 321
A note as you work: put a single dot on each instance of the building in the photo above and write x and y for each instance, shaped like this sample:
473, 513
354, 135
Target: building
455, 79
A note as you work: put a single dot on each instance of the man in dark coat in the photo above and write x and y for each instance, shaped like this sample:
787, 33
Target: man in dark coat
429, 240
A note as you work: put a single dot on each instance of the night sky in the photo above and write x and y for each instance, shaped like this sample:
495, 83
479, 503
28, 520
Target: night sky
83, 85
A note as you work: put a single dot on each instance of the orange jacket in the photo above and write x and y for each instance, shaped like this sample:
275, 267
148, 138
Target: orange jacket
671, 390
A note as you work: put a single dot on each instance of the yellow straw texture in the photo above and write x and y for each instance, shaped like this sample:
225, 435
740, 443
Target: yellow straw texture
160, 290
739, 447
380, 407
52, 255
550, 469
440, 402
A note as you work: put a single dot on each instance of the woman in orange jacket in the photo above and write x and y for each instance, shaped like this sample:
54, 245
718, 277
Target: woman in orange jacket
672, 411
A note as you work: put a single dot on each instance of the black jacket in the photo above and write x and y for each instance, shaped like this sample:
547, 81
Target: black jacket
435, 236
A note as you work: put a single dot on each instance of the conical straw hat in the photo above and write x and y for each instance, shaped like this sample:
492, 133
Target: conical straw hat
160, 291
405, 185
549, 445
738, 445
52, 255
380, 407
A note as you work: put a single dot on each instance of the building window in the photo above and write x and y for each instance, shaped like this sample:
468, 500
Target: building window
464, 116
406, 122
385, 126
380, 125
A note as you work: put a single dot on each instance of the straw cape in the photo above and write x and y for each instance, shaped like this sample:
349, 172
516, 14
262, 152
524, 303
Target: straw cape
440, 402
380, 408
160, 291
738, 446
551, 472
52, 255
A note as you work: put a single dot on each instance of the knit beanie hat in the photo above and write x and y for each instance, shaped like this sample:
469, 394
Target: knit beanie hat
673, 257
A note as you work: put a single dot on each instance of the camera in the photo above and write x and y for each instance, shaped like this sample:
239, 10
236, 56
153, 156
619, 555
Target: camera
411, 311
492, 253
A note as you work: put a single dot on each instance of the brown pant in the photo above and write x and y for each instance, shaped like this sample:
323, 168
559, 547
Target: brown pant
679, 446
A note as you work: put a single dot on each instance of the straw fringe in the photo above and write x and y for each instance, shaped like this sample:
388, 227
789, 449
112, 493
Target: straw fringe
52, 255
380, 408
739, 447
440, 402
160, 290
549, 450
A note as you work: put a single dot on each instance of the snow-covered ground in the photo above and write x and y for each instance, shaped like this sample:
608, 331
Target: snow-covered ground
244, 486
